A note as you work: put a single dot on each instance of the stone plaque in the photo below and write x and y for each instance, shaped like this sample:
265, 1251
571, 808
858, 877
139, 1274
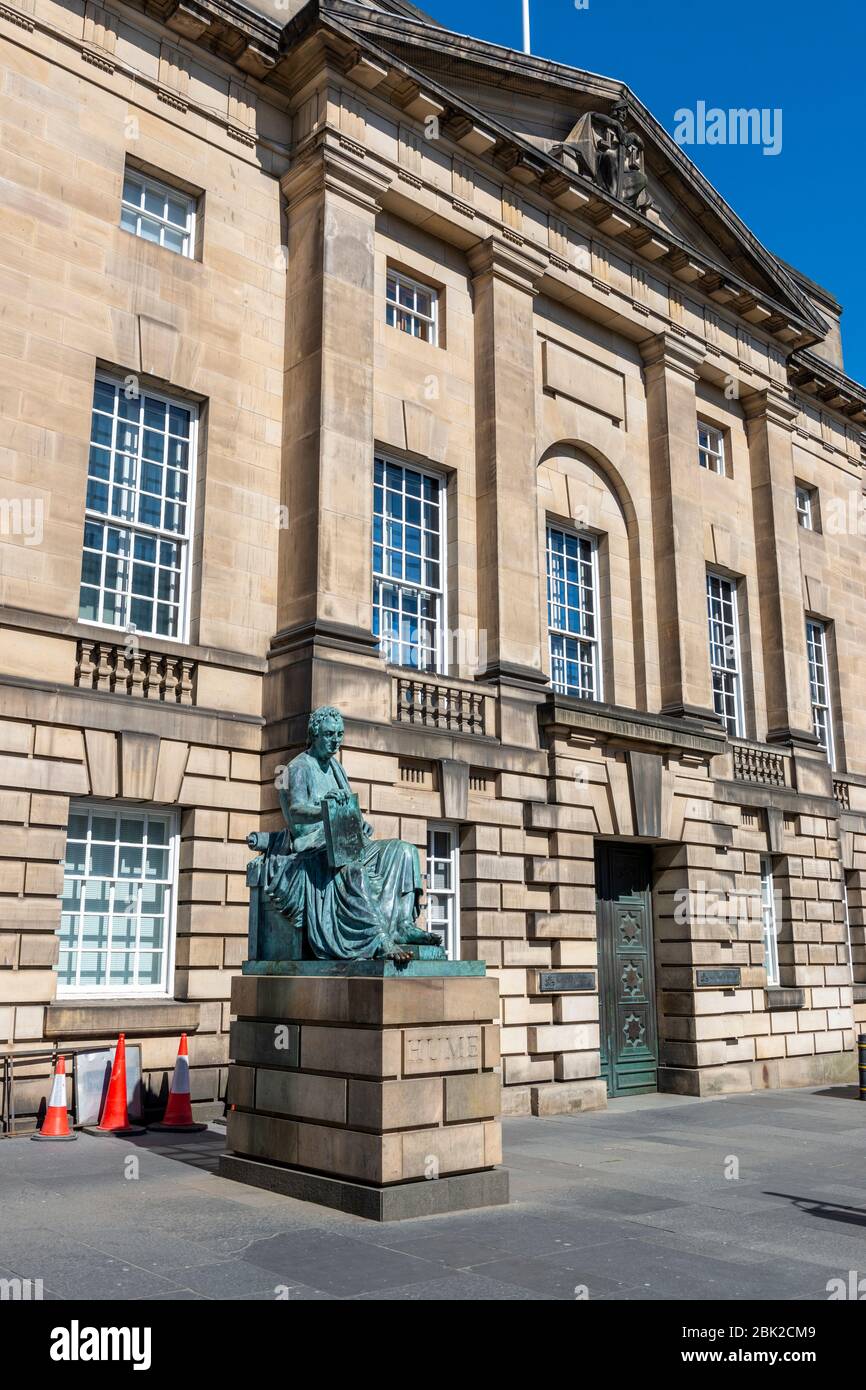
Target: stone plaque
725, 977
564, 981
438, 1049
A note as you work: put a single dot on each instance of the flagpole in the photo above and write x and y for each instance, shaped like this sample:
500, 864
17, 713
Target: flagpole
526, 48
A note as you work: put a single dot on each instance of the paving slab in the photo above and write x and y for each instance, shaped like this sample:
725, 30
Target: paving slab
632, 1203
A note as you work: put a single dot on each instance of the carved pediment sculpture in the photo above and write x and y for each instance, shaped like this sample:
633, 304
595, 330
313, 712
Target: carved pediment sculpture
602, 148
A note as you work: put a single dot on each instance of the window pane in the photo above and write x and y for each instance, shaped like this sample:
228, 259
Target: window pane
132, 458
442, 881
177, 212
118, 941
416, 313
571, 609
148, 229
172, 239
402, 535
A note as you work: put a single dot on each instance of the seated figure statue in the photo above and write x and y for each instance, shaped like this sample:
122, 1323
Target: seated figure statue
361, 909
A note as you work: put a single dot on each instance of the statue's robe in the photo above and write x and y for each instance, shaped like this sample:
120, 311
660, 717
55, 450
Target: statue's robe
353, 913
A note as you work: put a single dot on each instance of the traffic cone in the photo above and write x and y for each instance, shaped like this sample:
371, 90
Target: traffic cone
178, 1112
115, 1116
55, 1126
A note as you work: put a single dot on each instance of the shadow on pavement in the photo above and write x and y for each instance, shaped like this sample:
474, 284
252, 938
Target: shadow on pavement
827, 1211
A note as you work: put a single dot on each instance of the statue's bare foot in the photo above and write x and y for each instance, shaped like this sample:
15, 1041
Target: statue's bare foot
392, 950
397, 953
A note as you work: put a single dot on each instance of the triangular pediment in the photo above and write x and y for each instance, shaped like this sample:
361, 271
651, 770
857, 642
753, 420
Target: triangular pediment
561, 113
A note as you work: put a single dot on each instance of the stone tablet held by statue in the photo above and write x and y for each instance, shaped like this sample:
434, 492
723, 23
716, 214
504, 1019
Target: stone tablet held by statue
345, 841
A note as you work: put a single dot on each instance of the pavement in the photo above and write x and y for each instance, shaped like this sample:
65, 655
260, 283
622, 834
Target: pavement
761, 1196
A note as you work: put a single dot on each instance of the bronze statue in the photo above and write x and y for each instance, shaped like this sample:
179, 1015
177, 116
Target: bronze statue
338, 894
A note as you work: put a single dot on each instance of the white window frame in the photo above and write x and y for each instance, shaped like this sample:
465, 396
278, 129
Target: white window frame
123, 810
165, 191
414, 317
183, 539
553, 632
847, 912
437, 656
726, 671
449, 897
711, 455
804, 503
819, 679
770, 925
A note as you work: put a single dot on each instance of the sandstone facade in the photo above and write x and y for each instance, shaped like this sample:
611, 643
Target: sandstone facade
580, 345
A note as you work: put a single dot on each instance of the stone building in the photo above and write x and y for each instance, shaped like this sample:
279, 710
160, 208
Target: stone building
348, 360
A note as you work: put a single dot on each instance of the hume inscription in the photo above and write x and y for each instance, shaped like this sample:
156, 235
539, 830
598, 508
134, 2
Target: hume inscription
441, 1049
726, 977
565, 981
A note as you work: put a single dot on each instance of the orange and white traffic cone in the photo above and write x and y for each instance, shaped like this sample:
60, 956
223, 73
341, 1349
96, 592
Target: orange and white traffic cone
55, 1126
115, 1115
178, 1112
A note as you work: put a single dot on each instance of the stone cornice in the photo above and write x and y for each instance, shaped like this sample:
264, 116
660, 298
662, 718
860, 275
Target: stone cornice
769, 405
811, 375
330, 163
613, 722
522, 267
670, 353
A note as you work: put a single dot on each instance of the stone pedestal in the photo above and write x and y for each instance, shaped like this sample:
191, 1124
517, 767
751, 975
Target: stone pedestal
367, 1088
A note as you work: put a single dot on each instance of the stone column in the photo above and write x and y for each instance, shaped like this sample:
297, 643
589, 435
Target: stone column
325, 569
769, 427
678, 527
505, 280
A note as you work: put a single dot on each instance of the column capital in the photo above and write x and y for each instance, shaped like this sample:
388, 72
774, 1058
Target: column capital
520, 266
770, 405
671, 353
334, 165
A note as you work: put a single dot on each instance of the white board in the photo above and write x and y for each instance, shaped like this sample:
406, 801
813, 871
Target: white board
92, 1075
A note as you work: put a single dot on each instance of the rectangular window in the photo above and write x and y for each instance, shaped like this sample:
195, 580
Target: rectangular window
408, 565
725, 652
822, 722
572, 613
138, 512
711, 448
412, 307
770, 922
157, 213
117, 914
443, 887
805, 517
846, 909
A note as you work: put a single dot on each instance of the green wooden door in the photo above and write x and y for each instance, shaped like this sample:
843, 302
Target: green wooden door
626, 979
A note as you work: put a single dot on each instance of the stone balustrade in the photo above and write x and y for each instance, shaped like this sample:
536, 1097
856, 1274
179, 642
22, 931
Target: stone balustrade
434, 705
120, 670
842, 792
753, 763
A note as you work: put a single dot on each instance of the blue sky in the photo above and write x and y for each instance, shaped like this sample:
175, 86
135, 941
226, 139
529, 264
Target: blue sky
807, 203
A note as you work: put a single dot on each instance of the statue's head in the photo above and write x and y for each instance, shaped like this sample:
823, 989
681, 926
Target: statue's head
620, 112
325, 731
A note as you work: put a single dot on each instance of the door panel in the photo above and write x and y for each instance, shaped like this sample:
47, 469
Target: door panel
629, 1039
